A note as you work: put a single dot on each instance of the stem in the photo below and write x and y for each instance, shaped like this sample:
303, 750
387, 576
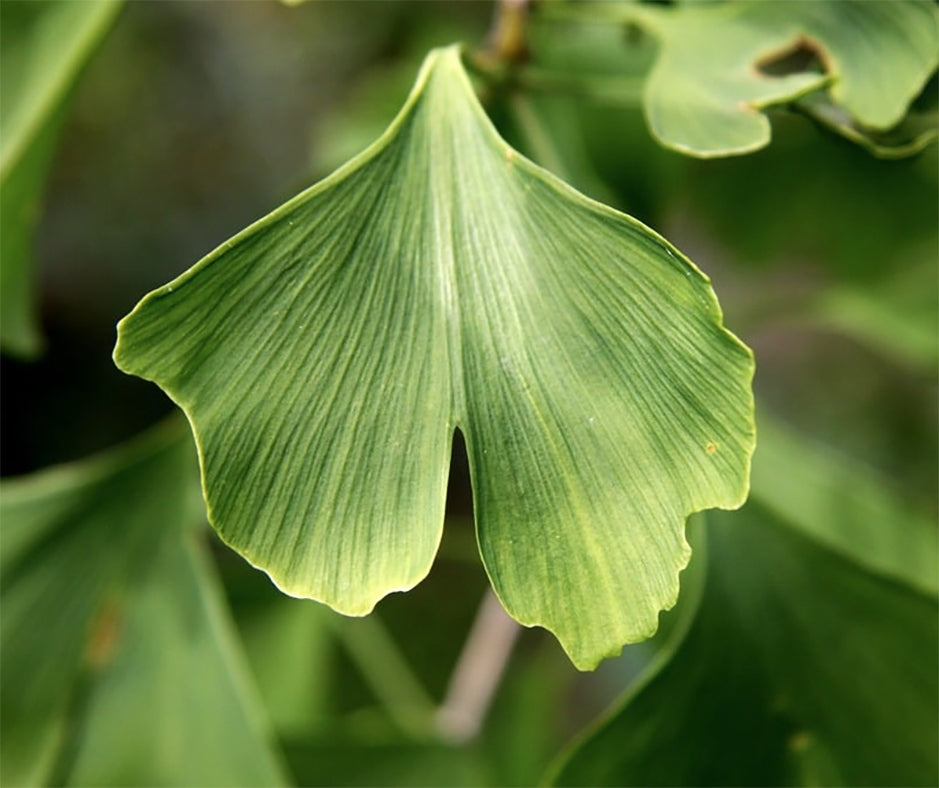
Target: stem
507, 38
478, 671
388, 674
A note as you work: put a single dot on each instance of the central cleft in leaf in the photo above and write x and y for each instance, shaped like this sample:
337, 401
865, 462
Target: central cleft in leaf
439, 280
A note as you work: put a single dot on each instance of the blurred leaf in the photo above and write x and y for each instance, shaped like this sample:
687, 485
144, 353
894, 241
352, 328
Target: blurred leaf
704, 94
112, 632
898, 315
66, 555
289, 646
174, 706
393, 762
830, 225
908, 137
801, 668
522, 730
43, 46
711, 79
598, 49
20, 193
845, 506
441, 281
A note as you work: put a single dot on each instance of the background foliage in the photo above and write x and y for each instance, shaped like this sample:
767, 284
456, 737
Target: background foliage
804, 646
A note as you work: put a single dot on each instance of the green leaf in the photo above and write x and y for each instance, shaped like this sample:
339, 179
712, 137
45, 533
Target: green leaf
44, 46
913, 134
895, 314
57, 580
845, 506
175, 706
20, 194
706, 92
389, 762
326, 354
290, 649
801, 668
110, 617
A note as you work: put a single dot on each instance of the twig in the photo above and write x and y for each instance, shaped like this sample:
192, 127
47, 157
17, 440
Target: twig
478, 671
507, 39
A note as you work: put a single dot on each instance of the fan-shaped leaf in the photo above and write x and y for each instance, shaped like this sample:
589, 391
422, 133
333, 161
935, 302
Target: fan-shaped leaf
800, 668
43, 45
112, 634
705, 93
438, 281
846, 506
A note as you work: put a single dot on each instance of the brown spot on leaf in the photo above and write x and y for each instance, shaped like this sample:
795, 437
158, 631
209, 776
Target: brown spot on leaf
103, 637
800, 741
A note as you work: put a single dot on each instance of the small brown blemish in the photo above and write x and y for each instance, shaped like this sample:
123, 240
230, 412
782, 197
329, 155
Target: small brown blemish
510, 155
102, 640
711, 448
800, 741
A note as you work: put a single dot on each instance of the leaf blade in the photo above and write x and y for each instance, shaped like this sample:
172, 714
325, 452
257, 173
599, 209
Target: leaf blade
110, 613
705, 93
801, 668
44, 47
441, 281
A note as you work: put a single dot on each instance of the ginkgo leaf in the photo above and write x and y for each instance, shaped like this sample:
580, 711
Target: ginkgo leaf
706, 91
440, 281
812, 658
895, 314
119, 660
67, 553
44, 46
845, 506
175, 706
800, 668
913, 134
